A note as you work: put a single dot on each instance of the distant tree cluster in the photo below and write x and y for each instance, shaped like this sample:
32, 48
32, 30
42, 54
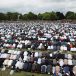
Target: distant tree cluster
41, 16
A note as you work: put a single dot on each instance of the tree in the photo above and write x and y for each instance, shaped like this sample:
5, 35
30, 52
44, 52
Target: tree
9, 16
15, 16
31, 16
70, 15
39, 16
2, 16
74, 15
60, 16
46, 16
12, 16
25, 17
53, 16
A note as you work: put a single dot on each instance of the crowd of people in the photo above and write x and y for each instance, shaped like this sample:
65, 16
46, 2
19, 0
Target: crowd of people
38, 35
55, 63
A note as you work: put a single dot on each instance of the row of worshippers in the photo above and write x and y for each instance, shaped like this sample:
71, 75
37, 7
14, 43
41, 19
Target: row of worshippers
38, 35
40, 68
41, 45
37, 61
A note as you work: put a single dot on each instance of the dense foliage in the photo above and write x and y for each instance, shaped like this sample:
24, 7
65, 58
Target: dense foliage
14, 16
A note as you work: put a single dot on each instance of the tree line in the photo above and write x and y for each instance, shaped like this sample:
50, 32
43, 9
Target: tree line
14, 16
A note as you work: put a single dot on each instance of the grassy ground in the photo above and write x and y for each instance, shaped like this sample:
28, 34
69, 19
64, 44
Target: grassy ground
6, 73
69, 52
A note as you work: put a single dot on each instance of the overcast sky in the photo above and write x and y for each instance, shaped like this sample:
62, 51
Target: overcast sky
37, 6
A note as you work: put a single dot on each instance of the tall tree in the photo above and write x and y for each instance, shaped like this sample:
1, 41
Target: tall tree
39, 16
60, 15
25, 17
2, 16
70, 15
46, 16
53, 16
31, 16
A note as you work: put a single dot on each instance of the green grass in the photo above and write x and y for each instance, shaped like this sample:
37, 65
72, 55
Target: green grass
69, 52
7, 73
